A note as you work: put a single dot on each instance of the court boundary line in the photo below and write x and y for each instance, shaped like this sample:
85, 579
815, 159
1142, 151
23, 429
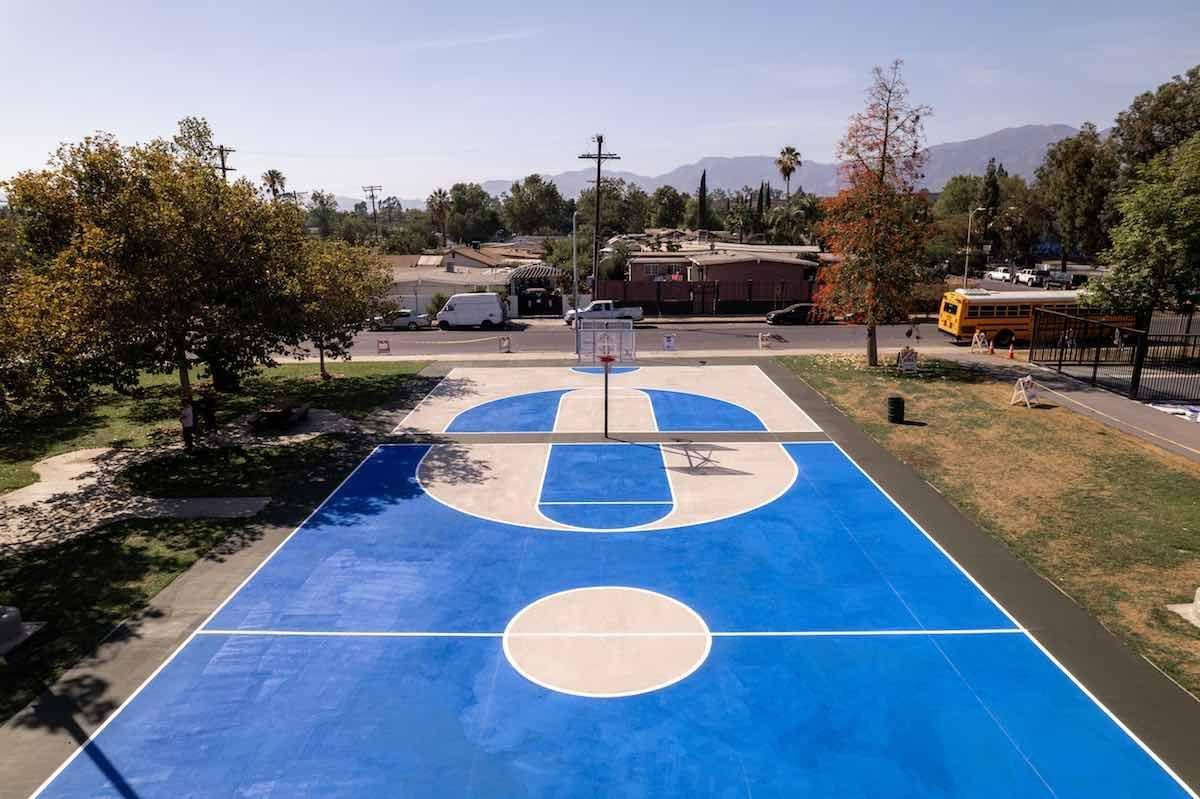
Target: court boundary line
866, 633
198, 630
420, 402
783, 445
1021, 627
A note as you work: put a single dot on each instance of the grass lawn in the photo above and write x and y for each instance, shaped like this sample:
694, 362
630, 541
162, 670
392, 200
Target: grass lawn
83, 588
1113, 521
263, 470
152, 413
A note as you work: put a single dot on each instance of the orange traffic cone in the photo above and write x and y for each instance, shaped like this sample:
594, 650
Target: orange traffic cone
1010, 352
991, 348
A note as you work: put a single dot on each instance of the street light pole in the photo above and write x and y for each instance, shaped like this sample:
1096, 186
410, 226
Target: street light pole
574, 262
967, 257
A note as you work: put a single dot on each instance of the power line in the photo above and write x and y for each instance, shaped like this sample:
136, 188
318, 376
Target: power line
599, 157
370, 190
224, 151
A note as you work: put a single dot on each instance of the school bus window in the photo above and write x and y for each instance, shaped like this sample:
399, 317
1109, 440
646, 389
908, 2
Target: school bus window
972, 311
987, 310
1024, 311
949, 308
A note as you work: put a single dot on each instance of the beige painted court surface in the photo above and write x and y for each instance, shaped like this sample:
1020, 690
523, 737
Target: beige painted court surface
581, 409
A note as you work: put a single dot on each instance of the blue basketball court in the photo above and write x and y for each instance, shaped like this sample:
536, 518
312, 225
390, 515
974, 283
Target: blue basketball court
819, 644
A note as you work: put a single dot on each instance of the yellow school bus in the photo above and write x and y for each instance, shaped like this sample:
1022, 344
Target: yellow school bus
1005, 316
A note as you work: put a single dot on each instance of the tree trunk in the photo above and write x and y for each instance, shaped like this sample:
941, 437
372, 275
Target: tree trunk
185, 379
321, 352
872, 346
224, 380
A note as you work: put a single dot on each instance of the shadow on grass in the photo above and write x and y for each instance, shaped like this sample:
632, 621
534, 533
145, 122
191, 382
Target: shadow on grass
96, 588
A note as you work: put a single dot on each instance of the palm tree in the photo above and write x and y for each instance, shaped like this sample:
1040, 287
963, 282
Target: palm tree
787, 163
438, 206
275, 182
796, 222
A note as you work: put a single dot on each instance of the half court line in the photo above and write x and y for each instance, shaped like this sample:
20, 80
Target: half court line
614, 634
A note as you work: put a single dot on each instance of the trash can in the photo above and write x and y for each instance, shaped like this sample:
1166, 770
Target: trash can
895, 410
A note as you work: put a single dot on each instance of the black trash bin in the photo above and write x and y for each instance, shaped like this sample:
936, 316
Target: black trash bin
895, 413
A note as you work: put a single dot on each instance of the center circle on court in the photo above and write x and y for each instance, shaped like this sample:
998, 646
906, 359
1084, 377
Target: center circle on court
606, 641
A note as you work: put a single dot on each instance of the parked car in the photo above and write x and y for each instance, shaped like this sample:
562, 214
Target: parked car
403, 319
1064, 279
1030, 277
604, 309
482, 309
796, 314
999, 273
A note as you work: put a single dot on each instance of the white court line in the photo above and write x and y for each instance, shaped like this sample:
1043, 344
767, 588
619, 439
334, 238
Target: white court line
1086, 692
617, 634
610, 502
421, 402
199, 629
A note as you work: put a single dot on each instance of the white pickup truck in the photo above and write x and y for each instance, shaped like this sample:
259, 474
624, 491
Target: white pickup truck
604, 309
999, 273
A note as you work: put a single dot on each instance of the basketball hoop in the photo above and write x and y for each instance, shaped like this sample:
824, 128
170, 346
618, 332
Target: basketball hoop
607, 360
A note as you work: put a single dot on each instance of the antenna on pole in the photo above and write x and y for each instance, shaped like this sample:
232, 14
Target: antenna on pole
599, 157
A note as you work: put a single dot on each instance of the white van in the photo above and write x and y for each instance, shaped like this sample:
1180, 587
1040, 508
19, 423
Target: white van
482, 309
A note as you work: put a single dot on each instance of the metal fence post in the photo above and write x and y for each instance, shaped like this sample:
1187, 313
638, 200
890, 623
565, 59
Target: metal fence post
1139, 359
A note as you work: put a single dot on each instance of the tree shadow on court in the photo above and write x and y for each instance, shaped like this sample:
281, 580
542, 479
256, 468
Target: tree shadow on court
446, 462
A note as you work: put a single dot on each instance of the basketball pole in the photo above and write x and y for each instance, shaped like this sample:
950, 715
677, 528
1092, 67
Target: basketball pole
607, 360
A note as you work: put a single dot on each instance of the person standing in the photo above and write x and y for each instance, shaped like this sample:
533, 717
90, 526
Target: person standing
208, 409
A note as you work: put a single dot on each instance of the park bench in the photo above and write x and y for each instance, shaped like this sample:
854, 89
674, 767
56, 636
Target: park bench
14, 631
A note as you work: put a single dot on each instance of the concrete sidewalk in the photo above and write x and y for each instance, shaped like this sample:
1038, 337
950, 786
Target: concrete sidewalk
1135, 418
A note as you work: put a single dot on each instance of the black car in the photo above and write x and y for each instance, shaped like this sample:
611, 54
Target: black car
792, 315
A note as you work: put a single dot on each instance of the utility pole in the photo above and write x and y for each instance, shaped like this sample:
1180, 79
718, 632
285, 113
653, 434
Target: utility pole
295, 196
370, 190
599, 157
223, 152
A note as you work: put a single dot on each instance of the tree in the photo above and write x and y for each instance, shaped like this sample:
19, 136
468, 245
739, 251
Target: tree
796, 221
878, 224
438, 205
323, 212
1157, 121
612, 210
787, 163
1074, 181
741, 216
1155, 252
533, 206
959, 195
635, 209
474, 214
702, 202
274, 182
338, 289
667, 206
391, 208
160, 261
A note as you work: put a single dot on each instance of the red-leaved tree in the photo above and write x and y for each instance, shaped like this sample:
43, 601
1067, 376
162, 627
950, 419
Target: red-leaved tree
878, 223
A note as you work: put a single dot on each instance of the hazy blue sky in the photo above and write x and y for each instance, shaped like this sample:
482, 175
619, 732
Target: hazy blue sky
413, 96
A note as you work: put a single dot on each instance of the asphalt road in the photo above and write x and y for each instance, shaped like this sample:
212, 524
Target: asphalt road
552, 336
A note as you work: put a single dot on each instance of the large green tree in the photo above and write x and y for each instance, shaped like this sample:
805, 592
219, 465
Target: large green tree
167, 263
1159, 120
337, 289
1074, 182
439, 206
667, 207
1155, 252
958, 196
474, 214
533, 206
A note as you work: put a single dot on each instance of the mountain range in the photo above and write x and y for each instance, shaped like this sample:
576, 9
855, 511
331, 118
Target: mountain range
1020, 149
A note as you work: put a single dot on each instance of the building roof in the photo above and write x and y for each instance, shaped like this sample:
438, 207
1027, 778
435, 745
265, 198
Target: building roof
485, 258
722, 259
534, 271
430, 260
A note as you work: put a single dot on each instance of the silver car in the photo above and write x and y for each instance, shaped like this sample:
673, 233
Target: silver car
403, 319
